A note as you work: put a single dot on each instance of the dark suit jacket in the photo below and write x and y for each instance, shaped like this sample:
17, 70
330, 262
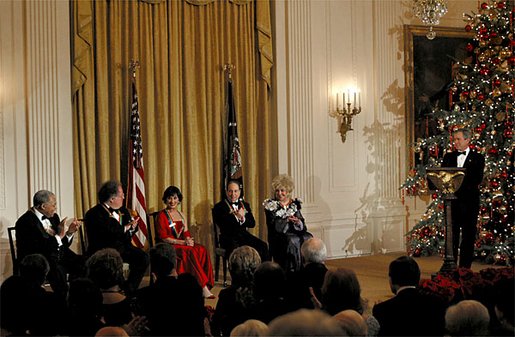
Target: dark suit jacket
229, 226
104, 231
31, 237
410, 313
475, 164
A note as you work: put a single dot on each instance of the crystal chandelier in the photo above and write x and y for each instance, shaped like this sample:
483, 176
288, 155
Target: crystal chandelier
430, 12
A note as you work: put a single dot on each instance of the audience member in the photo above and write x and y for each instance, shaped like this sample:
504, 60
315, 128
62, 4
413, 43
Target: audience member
341, 291
105, 269
409, 313
172, 228
250, 328
234, 216
269, 292
173, 305
109, 225
467, 318
504, 303
314, 253
84, 308
287, 230
352, 323
44, 304
305, 322
14, 308
235, 302
111, 331
40, 231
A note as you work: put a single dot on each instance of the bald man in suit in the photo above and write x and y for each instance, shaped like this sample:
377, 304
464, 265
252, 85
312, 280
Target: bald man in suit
465, 208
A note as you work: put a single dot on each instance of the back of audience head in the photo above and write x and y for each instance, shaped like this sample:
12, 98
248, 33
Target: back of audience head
105, 268
111, 331
314, 251
34, 269
352, 323
467, 318
305, 322
84, 297
243, 262
269, 281
340, 291
250, 328
163, 260
504, 304
403, 271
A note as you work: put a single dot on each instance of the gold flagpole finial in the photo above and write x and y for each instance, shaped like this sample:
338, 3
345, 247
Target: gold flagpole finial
132, 67
228, 68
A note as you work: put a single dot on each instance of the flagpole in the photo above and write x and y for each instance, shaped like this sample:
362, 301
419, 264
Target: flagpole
232, 165
133, 65
135, 198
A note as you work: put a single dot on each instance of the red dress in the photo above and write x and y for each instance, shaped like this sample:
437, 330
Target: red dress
194, 260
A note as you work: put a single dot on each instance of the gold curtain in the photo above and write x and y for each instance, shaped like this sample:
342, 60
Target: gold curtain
181, 48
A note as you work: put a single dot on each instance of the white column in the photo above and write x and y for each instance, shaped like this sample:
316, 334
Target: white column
35, 110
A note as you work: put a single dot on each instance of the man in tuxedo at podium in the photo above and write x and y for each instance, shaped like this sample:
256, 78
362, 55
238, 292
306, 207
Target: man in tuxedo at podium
40, 231
233, 216
110, 225
465, 208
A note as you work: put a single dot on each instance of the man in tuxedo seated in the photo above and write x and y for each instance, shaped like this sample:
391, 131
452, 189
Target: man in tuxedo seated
110, 225
465, 208
409, 313
314, 254
40, 231
233, 216
174, 305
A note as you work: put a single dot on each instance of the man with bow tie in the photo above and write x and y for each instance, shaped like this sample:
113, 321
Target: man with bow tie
110, 225
465, 208
233, 216
40, 231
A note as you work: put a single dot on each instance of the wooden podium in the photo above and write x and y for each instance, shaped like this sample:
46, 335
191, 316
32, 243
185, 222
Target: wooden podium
447, 180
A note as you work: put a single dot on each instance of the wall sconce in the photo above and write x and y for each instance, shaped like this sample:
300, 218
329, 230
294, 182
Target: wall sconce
344, 113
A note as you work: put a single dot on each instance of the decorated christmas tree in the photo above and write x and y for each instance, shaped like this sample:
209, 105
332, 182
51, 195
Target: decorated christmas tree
481, 99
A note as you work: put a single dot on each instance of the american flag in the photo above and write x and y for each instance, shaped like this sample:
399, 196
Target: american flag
136, 184
232, 168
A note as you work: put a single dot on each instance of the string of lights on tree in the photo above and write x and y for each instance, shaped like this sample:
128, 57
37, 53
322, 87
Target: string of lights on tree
483, 101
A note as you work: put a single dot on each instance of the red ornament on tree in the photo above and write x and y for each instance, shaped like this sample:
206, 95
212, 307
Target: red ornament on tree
493, 34
493, 151
508, 133
469, 47
497, 82
486, 71
468, 28
480, 97
484, 5
501, 5
511, 60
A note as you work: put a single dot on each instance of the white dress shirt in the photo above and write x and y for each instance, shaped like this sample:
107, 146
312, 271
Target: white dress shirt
463, 157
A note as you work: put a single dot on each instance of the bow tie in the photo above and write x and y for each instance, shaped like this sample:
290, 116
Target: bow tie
44, 217
237, 204
462, 153
111, 210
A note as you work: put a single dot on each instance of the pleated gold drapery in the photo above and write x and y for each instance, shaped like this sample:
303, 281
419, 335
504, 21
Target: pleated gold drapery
181, 47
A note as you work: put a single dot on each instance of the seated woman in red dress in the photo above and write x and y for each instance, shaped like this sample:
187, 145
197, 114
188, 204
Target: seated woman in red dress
172, 228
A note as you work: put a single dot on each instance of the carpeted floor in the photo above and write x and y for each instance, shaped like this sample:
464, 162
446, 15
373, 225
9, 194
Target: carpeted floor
372, 272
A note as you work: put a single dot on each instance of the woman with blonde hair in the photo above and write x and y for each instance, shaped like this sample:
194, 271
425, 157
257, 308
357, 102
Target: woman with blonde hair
287, 230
